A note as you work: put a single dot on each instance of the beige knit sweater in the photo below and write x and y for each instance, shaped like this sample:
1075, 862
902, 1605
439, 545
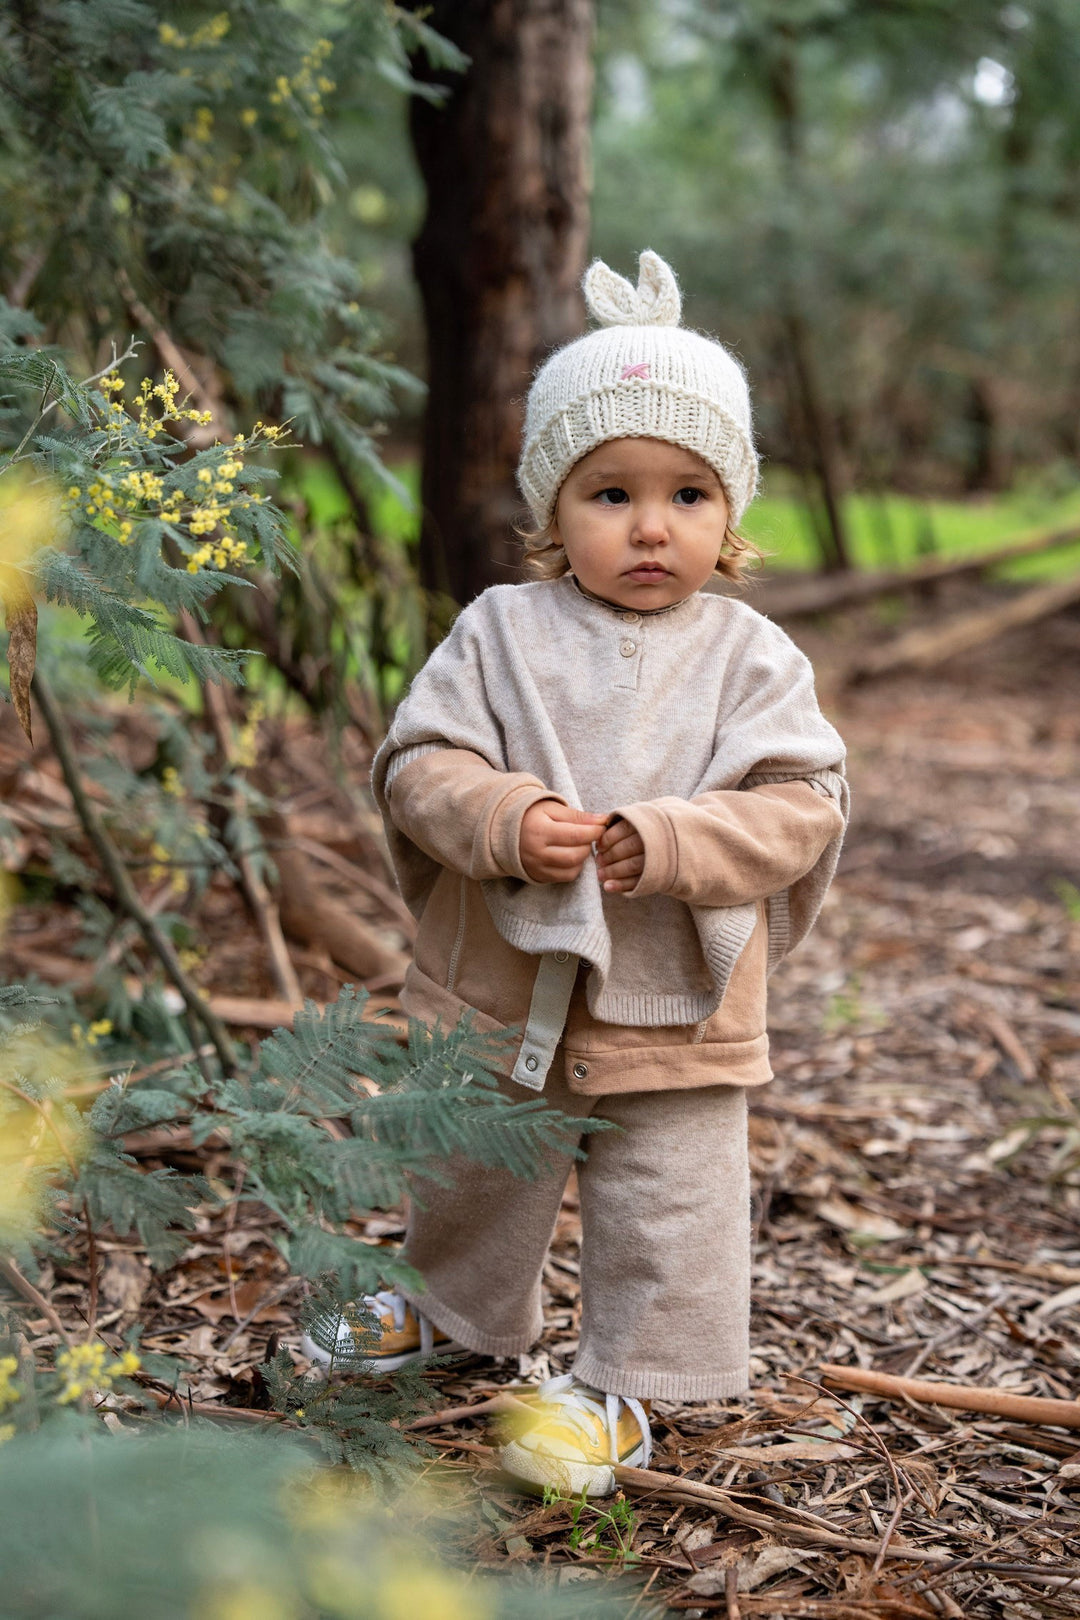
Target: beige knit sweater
636, 714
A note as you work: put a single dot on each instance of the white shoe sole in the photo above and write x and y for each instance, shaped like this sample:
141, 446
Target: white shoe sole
537, 1471
371, 1364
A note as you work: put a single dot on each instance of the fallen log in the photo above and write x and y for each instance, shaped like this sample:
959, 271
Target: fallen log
311, 916
821, 594
964, 1397
924, 649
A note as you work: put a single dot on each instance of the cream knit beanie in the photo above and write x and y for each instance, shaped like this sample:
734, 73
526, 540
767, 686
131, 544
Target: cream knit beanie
641, 376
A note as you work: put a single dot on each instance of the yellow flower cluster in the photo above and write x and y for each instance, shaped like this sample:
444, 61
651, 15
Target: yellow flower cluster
116, 497
161, 868
221, 553
85, 1367
100, 1027
309, 84
246, 749
170, 782
166, 393
9, 1390
203, 127
9, 1393
210, 33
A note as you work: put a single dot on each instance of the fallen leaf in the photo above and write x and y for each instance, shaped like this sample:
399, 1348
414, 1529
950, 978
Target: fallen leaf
214, 1305
849, 1218
905, 1286
762, 1566
124, 1280
753, 1570
1058, 1302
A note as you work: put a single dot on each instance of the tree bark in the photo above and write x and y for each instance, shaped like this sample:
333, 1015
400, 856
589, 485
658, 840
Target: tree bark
815, 423
498, 260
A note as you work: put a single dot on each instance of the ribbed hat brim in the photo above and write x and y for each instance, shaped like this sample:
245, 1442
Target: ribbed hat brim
641, 409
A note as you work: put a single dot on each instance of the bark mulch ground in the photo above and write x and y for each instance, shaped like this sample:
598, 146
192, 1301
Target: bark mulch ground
917, 1191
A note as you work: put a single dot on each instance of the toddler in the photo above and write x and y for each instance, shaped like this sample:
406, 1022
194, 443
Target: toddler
613, 805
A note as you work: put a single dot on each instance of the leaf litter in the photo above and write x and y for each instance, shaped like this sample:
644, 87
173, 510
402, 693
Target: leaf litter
916, 1170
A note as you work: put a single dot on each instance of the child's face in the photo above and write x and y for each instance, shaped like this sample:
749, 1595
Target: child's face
642, 522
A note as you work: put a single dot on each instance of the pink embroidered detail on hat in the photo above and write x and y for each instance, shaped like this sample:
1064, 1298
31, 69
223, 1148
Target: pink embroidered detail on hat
640, 370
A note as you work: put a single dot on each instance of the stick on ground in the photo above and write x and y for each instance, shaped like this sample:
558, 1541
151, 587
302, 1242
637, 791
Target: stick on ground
966, 1397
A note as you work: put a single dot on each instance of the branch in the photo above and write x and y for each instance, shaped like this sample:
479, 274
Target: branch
123, 888
802, 1529
261, 902
172, 356
11, 1274
966, 1397
116, 361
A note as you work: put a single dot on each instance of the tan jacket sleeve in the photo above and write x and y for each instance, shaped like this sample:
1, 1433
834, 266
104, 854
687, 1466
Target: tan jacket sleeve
729, 847
464, 813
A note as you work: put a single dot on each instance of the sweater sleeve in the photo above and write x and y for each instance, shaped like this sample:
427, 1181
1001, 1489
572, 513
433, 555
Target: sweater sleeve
462, 812
728, 847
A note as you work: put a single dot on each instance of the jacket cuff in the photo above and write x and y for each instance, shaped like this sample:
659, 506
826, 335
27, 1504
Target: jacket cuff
503, 831
656, 832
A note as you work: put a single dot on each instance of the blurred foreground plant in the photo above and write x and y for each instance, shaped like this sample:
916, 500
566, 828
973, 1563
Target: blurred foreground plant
199, 1525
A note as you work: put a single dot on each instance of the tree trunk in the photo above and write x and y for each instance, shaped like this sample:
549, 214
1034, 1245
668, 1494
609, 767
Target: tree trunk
816, 426
499, 259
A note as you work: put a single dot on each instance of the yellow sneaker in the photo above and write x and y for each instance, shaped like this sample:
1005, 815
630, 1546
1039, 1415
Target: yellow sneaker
405, 1334
572, 1437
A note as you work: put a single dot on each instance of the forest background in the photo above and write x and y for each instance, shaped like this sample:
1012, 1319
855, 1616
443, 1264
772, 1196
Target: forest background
287, 218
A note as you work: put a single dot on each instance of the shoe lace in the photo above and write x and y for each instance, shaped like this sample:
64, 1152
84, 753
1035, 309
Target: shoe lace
389, 1302
581, 1405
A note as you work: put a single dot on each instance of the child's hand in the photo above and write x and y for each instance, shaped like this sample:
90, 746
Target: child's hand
620, 857
555, 840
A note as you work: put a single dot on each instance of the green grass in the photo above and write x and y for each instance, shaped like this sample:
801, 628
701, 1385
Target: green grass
900, 530
895, 532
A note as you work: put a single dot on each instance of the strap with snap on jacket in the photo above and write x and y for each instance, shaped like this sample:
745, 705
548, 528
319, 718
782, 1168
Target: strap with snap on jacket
547, 1018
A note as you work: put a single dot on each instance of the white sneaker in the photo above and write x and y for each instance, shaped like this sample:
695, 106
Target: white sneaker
573, 1437
405, 1335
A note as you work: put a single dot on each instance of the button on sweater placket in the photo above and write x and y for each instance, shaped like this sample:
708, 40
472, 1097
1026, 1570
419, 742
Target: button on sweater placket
628, 661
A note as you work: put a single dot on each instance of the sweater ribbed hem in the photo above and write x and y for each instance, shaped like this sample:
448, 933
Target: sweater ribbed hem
726, 940
467, 1333
663, 1386
779, 914
405, 756
537, 938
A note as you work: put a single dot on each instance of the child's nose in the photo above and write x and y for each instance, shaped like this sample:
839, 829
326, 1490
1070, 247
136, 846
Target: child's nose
650, 526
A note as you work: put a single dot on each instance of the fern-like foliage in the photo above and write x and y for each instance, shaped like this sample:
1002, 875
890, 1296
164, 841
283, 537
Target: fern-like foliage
339, 1116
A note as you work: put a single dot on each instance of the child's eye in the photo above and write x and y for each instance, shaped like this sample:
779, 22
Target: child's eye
689, 496
612, 497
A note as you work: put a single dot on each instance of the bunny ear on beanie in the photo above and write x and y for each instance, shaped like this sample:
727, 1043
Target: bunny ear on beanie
611, 300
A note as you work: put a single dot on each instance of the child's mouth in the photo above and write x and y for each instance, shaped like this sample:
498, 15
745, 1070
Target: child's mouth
647, 571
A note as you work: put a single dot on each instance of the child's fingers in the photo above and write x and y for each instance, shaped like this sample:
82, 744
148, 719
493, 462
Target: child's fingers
565, 812
632, 868
619, 885
629, 844
617, 833
569, 835
564, 859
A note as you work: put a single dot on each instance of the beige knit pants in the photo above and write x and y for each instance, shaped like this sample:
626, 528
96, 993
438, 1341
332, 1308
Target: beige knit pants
665, 1259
